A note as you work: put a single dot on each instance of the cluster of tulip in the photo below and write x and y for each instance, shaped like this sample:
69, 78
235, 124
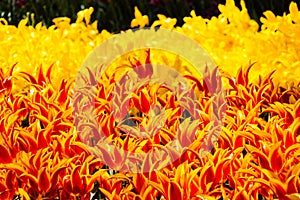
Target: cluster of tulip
255, 156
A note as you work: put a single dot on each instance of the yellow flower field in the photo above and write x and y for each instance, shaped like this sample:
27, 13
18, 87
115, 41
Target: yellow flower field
256, 156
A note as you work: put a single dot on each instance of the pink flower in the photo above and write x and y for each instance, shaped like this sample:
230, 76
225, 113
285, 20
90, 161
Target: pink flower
20, 3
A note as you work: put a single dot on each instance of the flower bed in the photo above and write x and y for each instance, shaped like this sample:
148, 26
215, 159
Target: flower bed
256, 155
